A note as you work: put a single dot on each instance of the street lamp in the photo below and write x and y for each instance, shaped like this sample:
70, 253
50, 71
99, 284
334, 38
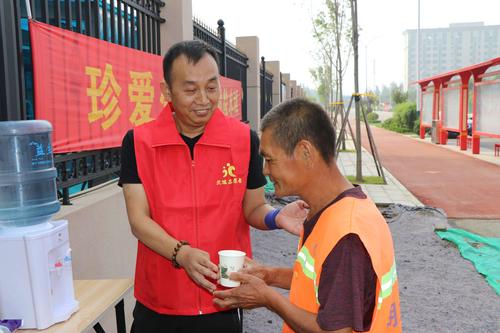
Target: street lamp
366, 68
418, 56
366, 61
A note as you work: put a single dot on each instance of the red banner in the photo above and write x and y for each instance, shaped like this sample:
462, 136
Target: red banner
93, 91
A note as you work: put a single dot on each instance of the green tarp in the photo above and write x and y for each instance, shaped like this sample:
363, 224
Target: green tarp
269, 187
483, 252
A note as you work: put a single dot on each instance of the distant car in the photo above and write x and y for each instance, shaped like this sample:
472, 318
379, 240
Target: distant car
453, 135
469, 126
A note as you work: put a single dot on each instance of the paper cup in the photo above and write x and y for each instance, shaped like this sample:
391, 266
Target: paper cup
230, 261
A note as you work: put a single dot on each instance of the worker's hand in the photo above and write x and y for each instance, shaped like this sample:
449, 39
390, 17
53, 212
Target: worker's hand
252, 267
252, 293
292, 217
198, 266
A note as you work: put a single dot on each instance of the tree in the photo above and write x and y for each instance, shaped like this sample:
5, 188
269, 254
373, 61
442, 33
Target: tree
385, 94
323, 84
388, 94
331, 29
412, 95
373, 98
371, 101
398, 95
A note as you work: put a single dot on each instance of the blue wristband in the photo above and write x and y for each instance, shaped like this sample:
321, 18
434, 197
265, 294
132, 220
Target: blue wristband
270, 219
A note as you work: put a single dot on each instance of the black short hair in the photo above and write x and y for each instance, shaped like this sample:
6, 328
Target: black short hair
300, 119
194, 50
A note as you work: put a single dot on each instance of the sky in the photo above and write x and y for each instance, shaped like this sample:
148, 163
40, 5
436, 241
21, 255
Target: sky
284, 29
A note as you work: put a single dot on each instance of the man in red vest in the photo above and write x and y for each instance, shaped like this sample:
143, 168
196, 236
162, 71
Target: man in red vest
344, 278
193, 183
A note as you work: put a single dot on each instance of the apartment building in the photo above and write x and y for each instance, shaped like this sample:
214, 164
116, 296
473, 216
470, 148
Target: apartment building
446, 49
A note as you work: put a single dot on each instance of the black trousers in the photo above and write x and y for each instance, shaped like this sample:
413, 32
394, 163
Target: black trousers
148, 321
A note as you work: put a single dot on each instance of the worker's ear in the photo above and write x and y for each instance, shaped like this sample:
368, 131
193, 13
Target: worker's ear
305, 151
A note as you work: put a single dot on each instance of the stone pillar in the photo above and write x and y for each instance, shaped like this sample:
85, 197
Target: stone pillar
274, 68
286, 81
250, 46
299, 92
293, 90
178, 26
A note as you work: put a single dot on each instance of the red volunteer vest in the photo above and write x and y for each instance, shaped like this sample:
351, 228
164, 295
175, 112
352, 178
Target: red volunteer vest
196, 200
361, 217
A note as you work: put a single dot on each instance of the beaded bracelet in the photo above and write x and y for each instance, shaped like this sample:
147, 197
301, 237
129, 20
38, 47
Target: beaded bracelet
176, 250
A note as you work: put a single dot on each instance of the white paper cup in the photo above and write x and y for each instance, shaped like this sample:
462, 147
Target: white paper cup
230, 261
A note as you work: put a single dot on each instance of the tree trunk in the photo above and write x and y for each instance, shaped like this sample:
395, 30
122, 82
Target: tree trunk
354, 14
340, 98
339, 69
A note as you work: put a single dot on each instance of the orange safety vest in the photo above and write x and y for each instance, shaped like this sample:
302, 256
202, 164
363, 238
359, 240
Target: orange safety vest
361, 217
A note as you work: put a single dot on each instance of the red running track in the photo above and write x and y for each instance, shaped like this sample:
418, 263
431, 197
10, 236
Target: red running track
464, 186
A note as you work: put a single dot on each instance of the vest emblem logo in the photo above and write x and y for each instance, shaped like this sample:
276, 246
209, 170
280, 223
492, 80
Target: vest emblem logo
229, 176
393, 317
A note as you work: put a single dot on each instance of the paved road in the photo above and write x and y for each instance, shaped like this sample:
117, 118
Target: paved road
463, 186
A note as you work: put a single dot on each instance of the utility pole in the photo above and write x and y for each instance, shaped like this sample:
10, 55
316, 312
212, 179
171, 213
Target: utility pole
366, 68
418, 57
357, 98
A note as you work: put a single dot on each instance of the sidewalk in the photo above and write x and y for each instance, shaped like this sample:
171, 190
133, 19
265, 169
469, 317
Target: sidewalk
486, 152
392, 192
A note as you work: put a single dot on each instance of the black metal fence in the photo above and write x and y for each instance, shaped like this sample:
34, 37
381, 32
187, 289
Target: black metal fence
266, 89
131, 23
232, 63
85, 169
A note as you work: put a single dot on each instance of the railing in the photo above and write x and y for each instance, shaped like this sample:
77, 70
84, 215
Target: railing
86, 168
232, 62
203, 32
131, 23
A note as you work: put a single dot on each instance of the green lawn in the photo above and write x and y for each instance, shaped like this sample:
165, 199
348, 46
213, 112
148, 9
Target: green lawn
373, 180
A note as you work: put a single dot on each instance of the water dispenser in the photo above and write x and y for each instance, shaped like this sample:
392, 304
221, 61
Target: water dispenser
27, 175
36, 280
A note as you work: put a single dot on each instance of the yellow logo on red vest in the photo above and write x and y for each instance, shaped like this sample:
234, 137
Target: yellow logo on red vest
229, 175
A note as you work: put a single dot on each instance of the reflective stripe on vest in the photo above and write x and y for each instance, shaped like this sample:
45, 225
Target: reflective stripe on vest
387, 282
306, 261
